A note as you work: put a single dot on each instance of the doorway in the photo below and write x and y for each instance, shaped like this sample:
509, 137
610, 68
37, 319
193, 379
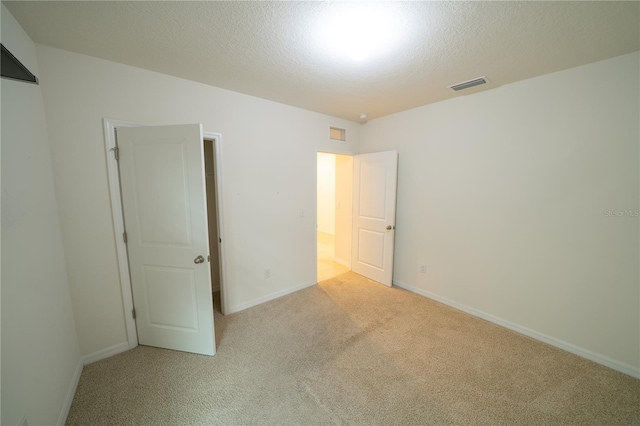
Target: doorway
333, 227
212, 220
168, 305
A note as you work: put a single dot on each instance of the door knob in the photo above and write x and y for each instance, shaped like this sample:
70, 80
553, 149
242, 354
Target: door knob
389, 227
198, 259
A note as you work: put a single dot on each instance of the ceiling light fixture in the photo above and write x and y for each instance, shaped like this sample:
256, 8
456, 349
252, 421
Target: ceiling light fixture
359, 30
363, 115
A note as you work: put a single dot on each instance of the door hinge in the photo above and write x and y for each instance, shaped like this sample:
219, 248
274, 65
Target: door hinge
220, 239
124, 237
116, 152
133, 312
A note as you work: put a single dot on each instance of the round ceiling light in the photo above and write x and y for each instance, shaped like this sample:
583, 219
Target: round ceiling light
359, 30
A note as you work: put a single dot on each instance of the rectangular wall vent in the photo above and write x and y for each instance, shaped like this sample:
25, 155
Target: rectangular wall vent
337, 134
469, 83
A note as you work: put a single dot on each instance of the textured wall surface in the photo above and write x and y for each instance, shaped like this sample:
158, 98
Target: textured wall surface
268, 177
326, 193
522, 202
344, 215
40, 353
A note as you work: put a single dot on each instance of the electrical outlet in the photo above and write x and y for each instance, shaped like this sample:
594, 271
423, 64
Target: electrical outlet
267, 273
423, 269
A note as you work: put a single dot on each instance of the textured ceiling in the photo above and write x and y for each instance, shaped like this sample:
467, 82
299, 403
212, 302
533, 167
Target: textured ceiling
271, 49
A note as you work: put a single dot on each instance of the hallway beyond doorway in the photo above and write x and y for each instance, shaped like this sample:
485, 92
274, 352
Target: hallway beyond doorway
327, 266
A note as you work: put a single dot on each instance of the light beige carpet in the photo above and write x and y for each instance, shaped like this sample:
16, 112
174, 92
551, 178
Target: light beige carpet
349, 351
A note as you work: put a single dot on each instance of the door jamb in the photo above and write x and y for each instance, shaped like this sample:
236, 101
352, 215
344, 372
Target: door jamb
109, 127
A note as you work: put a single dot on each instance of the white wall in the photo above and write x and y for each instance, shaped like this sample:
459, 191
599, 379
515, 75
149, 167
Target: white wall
504, 196
326, 193
40, 354
268, 155
344, 194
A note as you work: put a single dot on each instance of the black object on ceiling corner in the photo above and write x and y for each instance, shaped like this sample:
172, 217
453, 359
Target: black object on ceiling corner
12, 68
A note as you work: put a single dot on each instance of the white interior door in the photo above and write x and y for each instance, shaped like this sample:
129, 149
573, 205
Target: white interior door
374, 215
163, 197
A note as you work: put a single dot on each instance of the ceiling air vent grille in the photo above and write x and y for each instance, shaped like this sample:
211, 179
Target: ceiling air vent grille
470, 83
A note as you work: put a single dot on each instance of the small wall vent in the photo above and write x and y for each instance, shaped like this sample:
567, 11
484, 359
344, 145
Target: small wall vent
469, 83
337, 134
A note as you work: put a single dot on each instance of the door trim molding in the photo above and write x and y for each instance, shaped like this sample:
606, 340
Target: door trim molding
109, 127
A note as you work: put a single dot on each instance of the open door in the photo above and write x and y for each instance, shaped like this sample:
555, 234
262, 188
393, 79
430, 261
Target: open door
163, 198
374, 215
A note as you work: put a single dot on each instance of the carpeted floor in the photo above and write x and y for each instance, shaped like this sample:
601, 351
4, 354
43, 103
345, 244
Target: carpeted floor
350, 351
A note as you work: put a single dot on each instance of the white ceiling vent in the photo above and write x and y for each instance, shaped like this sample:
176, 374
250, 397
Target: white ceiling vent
469, 83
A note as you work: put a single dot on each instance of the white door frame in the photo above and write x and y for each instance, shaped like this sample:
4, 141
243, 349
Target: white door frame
109, 126
315, 200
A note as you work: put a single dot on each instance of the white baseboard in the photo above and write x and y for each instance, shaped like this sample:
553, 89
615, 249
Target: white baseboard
576, 350
106, 353
342, 262
269, 297
71, 392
